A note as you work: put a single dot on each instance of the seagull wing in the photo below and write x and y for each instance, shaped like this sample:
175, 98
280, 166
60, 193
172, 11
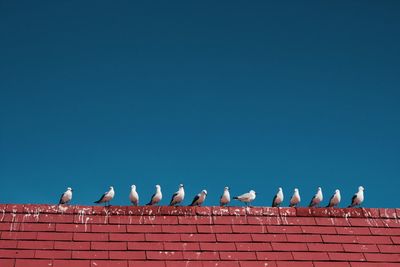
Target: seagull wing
312, 202
172, 199
330, 201
195, 200
273, 201
101, 199
151, 199
61, 199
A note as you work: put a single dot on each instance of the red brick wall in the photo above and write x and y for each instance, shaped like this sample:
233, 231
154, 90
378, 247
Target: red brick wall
83, 236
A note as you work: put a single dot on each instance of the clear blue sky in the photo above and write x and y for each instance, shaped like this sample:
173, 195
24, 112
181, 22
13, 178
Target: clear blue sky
250, 95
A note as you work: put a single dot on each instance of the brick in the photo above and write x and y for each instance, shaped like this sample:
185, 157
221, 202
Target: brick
289, 246
31, 244
273, 256
180, 246
127, 237
311, 256
324, 247
38, 227
233, 237
331, 264
109, 228
335, 256
52, 254
89, 254
257, 263
240, 255
143, 228
145, 246
32, 263
14, 253
252, 246
353, 230
318, 230
303, 238
70, 245
389, 248
385, 231
150, 263
249, 228
109, 263
217, 246
195, 220
179, 228
108, 246
196, 238
214, 228
378, 257
232, 220
128, 255
360, 248
197, 255
7, 262
374, 239
73, 227
162, 237
164, 255
54, 236
268, 237
90, 237
339, 238
279, 229
8, 243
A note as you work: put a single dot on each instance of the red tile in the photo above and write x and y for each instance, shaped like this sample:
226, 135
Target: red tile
38, 227
252, 246
71, 263
145, 246
385, 231
195, 220
162, 237
127, 237
331, 264
360, 248
164, 255
353, 230
271, 211
303, 238
8, 243
54, 236
14, 254
109, 263
70, 245
217, 246
389, 248
56, 218
365, 222
232, 220
255, 211
149, 264
257, 263
148, 228
382, 257
89, 255
73, 227
127, 255
285, 211
220, 211
300, 221
265, 220
240, 255
294, 264
237, 211
396, 239
90, 236
318, 230
279, 229
273, 256
289, 246
249, 229
219, 264
173, 246
335, 256
373, 264
197, 255
182, 210
197, 238
179, 228
19, 235
324, 247
311, 256
233, 237
7, 262
214, 228
110, 228
203, 211
268, 237
32, 263
25, 244
332, 221
108, 246
388, 213
374, 239
52, 254
339, 238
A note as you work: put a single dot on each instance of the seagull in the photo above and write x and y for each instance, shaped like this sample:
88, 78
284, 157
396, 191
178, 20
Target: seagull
156, 197
225, 198
106, 197
134, 196
178, 196
199, 198
317, 198
66, 196
278, 199
335, 199
358, 198
246, 197
295, 198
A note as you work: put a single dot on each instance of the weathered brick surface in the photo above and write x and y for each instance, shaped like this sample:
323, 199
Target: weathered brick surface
86, 236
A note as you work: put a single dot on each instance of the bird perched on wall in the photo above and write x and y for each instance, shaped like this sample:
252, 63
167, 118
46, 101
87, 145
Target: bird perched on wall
295, 200
317, 198
134, 196
156, 197
178, 196
106, 197
358, 198
225, 198
335, 199
199, 198
246, 197
278, 198
66, 197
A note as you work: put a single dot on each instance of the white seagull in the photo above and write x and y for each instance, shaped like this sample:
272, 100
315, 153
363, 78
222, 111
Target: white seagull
178, 196
246, 197
66, 196
199, 198
278, 198
134, 196
358, 198
335, 199
156, 197
317, 198
225, 198
295, 198
106, 197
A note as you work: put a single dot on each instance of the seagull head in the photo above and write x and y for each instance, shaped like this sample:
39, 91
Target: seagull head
133, 186
181, 186
279, 188
296, 190
158, 186
69, 189
226, 188
252, 192
204, 192
360, 188
319, 188
337, 191
111, 188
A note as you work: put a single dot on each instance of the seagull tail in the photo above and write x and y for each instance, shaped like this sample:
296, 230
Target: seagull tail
235, 198
98, 201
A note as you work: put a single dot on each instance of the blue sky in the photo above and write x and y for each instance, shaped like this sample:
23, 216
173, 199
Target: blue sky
252, 95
